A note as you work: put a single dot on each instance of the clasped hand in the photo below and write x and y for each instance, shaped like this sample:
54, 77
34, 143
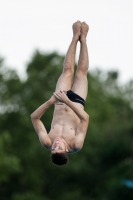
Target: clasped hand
61, 95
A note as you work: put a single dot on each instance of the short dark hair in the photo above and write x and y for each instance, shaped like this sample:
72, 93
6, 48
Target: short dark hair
59, 158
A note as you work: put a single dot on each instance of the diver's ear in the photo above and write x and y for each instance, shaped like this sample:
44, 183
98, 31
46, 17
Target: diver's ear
66, 149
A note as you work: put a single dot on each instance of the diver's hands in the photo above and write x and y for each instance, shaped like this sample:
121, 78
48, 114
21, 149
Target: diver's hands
61, 95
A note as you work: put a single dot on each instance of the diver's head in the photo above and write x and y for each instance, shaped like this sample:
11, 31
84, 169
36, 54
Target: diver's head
59, 152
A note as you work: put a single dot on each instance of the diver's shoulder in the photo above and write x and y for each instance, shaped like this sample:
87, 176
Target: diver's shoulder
73, 151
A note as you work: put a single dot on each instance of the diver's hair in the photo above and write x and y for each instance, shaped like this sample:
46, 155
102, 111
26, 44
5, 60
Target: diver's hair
59, 158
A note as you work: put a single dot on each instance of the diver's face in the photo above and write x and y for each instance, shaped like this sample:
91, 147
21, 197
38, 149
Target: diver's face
58, 146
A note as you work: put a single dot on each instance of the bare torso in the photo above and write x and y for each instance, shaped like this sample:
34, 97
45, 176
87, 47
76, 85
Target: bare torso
64, 124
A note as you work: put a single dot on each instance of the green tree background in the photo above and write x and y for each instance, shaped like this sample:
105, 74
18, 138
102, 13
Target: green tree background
94, 173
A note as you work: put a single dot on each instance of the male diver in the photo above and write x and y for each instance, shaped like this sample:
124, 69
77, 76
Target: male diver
70, 121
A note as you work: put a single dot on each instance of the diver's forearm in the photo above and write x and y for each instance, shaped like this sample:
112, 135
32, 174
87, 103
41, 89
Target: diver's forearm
79, 111
38, 113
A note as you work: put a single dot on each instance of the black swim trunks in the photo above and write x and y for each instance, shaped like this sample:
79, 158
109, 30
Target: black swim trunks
75, 97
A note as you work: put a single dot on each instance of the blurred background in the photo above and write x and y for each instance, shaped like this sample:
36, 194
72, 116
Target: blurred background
34, 37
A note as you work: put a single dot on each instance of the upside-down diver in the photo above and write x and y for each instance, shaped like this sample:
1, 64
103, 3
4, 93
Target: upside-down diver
70, 121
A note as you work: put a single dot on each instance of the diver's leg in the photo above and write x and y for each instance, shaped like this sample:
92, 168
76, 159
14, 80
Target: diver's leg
65, 80
80, 85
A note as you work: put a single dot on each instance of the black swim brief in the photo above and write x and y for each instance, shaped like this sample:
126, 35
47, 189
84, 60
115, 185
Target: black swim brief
75, 97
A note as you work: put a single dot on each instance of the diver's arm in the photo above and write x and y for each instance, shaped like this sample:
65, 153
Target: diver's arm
37, 123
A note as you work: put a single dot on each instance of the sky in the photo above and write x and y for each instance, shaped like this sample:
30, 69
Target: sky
46, 25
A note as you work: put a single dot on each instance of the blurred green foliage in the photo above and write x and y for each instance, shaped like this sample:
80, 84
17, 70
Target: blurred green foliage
94, 173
